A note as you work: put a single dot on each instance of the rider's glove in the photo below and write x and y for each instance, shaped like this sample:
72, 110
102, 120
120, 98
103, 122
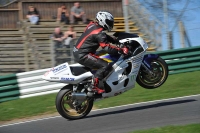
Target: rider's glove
115, 41
124, 51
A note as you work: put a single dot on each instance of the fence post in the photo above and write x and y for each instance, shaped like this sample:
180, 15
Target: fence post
181, 34
34, 48
52, 48
159, 38
71, 51
170, 35
20, 12
26, 53
125, 13
26, 56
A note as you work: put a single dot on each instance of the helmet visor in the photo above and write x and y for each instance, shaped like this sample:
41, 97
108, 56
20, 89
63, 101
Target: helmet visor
110, 24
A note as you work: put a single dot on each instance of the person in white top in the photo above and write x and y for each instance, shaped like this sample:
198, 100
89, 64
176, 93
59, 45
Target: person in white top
69, 35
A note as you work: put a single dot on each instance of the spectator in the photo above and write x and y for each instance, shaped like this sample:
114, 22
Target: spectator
77, 13
63, 14
58, 37
69, 36
33, 15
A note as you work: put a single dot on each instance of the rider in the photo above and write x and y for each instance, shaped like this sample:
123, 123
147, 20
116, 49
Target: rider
93, 37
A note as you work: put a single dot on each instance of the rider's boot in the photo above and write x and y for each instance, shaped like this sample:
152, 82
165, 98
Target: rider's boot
94, 86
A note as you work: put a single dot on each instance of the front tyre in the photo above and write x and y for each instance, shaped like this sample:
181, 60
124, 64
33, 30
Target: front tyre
65, 105
160, 74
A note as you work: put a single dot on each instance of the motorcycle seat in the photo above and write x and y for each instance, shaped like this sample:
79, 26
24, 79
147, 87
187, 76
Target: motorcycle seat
76, 71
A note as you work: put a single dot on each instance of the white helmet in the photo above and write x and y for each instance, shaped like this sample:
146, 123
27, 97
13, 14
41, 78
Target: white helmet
105, 19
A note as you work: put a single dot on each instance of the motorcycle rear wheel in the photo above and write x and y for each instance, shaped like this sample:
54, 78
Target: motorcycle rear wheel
160, 74
64, 105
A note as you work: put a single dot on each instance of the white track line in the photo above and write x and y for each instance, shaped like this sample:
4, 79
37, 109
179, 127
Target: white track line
148, 102
29, 121
103, 109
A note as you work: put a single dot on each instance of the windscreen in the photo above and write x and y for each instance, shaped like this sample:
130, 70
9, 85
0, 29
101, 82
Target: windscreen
123, 35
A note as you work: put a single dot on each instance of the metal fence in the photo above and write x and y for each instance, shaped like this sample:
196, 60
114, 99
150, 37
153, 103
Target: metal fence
148, 23
62, 53
28, 84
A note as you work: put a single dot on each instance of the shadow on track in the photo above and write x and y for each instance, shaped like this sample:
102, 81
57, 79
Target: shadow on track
142, 107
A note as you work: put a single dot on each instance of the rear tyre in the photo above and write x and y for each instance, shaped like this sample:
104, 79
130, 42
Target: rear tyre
66, 108
160, 74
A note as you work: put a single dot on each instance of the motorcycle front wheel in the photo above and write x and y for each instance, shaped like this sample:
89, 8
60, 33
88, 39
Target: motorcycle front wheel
65, 105
159, 76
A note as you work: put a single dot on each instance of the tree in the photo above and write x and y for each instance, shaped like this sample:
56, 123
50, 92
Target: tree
156, 7
178, 10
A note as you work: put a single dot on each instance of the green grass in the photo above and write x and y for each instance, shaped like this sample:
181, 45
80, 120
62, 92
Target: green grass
192, 128
27, 107
176, 86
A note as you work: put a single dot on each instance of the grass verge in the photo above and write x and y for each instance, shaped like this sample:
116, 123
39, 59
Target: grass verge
192, 128
176, 86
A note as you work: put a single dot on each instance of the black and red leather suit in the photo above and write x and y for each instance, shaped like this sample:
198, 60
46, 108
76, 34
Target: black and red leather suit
85, 49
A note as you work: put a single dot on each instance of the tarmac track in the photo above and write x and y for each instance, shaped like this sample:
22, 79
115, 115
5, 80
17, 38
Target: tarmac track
121, 119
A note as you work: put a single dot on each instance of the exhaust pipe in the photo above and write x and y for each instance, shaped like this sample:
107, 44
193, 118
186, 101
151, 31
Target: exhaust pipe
79, 96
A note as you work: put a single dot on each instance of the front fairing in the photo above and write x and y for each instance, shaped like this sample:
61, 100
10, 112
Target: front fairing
124, 37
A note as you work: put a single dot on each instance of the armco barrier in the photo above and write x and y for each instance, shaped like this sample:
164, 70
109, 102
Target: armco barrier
30, 84
182, 60
27, 84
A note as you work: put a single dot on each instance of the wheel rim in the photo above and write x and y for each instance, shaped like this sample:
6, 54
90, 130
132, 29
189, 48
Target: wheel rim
158, 76
69, 109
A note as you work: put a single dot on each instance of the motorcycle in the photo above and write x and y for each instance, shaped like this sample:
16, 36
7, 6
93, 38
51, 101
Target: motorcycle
75, 100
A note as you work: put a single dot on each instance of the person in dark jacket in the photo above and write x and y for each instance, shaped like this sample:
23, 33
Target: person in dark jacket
63, 14
93, 38
33, 15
